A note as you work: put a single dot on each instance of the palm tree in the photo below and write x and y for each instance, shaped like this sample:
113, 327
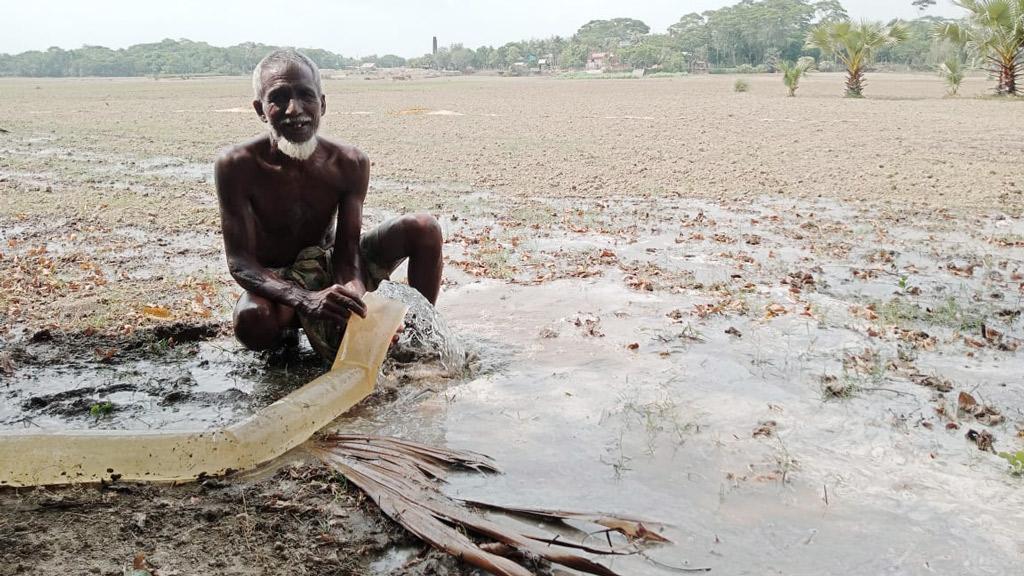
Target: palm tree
793, 72
994, 31
952, 71
855, 45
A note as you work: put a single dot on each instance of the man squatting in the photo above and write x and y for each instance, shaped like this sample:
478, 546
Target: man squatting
291, 206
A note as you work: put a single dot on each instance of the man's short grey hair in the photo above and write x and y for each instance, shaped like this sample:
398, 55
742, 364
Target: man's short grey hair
283, 56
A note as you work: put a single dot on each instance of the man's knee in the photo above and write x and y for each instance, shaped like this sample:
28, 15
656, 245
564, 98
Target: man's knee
424, 230
256, 325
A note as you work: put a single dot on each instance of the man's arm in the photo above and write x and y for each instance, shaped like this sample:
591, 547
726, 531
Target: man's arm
347, 262
238, 225
239, 229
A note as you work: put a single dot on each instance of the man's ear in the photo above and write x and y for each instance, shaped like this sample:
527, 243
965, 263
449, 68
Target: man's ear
323, 105
258, 106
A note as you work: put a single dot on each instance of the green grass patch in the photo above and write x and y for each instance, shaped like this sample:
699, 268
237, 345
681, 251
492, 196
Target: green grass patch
1016, 461
101, 410
948, 313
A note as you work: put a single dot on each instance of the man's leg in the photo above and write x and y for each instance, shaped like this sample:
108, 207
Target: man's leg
259, 323
418, 238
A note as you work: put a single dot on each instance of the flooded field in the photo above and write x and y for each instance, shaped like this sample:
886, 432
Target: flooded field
787, 331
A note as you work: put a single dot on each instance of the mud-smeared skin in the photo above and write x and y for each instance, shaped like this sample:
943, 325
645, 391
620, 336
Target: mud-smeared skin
300, 520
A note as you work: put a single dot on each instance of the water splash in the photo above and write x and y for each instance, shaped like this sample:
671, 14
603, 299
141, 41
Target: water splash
427, 337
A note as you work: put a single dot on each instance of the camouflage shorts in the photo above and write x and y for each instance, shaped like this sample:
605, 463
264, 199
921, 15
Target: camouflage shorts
314, 270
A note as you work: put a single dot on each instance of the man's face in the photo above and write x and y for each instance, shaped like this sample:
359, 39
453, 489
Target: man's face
290, 102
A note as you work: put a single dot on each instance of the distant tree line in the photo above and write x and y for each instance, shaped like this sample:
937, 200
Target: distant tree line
169, 57
751, 35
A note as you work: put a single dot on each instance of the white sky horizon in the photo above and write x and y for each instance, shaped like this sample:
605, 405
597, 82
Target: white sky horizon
353, 28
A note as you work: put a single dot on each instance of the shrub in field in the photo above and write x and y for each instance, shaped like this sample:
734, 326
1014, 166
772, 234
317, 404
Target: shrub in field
792, 73
741, 85
952, 71
855, 46
994, 32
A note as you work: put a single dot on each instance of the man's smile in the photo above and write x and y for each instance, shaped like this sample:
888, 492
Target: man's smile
297, 123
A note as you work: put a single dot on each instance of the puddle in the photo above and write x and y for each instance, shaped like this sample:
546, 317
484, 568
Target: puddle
427, 112
701, 399
668, 432
177, 168
152, 384
94, 167
186, 377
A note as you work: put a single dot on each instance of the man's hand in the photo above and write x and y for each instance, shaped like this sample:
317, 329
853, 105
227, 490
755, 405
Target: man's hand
335, 303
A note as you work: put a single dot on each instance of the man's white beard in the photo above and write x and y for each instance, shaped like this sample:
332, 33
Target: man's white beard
296, 150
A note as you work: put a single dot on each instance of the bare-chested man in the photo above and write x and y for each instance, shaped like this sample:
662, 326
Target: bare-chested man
291, 209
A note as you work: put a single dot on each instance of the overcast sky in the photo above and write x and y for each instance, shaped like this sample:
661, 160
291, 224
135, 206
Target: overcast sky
349, 27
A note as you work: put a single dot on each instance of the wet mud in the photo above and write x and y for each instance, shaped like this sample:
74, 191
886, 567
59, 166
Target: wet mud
171, 378
300, 520
780, 383
195, 376
293, 516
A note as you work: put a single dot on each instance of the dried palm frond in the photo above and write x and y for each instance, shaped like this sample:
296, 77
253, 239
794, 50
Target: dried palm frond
403, 478
632, 528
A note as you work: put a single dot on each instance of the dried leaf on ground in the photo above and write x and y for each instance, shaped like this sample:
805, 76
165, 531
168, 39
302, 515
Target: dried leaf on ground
727, 305
983, 439
764, 429
799, 281
929, 381
6, 364
158, 312
403, 477
633, 528
140, 567
106, 355
965, 271
917, 338
969, 406
773, 310
998, 339
965, 402
590, 324
866, 312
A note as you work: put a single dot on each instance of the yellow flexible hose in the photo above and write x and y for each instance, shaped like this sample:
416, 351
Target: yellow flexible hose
68, 457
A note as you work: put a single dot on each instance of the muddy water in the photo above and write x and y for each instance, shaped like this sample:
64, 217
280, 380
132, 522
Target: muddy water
195, 380
155, 386
719, 426
586, 424
580, 422
702, 402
